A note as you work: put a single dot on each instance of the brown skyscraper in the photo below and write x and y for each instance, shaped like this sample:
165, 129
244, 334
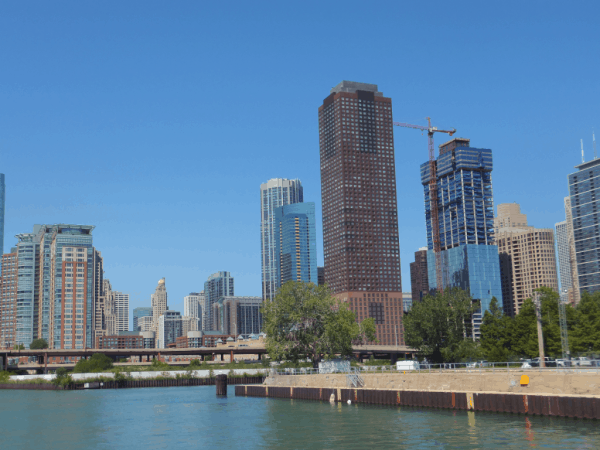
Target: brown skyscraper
419, 278
360, 218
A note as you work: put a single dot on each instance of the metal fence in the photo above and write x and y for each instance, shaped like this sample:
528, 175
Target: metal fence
588, 366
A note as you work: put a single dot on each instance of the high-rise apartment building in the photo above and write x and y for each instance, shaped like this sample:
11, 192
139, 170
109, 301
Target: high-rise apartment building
189, 324
238, 316
295, 244
8, 299
192, 304
142, 311
562, 251
584, 193
273, 194
466, 223
169, 327
573, 294
419, 280
527, 257
219, 284
158, 301
98, 317
2, 210
360, 214
121, 311
110, 314
145, 323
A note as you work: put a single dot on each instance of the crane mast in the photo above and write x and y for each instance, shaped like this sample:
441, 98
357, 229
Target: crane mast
433, 196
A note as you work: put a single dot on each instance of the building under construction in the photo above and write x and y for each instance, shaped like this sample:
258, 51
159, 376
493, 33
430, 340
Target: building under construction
465, 213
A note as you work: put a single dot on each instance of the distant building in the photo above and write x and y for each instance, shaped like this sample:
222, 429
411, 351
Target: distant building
99, 300
149, 338
360, 211
465, 206
120, 342
238, 315
121, 311
406, 301
142, 311
145, 323
273, 194
192, 304
295, 244
8, 299
169, 328
527, 257
189, 324
321, 275
219, 284
573, 293
158, 302
2, 211
419, 278
585, 220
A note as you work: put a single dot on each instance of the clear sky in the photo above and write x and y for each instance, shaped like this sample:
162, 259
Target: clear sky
158, 121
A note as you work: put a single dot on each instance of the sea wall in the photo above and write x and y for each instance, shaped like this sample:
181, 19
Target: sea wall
548, 382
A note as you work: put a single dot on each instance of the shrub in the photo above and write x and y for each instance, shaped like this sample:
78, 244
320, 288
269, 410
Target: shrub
38, 344
195, 363
4, 376
97, 363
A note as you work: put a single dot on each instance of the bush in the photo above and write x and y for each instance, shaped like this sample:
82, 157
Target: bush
38, 344
195, 363
97, 363
4, 376
159, 365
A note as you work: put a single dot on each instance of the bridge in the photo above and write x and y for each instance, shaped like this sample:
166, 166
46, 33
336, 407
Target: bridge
43, 356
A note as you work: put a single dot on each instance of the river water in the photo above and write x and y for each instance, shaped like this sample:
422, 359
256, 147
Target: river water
193, 417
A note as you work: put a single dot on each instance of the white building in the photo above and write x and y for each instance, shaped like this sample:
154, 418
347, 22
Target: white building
121, 302
192, 304
145, 323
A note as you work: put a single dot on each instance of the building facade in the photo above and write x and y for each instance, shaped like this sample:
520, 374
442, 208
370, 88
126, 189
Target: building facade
121, 311
98, 317
8, 300
219, 284
120, 342
466, 223
274, 193
562, 252
295, 244
169, 328
145, 323
406, 301
192, 304
584, 188
142, 311
573, 294
321, 275
238, 315
419, 279
158, 302
360, 214
2, 210
189, 324
527, 257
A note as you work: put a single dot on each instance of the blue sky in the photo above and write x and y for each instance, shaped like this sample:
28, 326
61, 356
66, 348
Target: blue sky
158, 121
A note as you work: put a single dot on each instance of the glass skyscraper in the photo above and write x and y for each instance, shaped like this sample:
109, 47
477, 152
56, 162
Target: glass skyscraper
296, 243
218, 285
466, 220
584, 193
273, 194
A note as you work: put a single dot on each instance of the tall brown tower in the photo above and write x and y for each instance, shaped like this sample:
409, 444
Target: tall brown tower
360, 216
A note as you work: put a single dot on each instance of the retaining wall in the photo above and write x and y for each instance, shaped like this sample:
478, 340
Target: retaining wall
587, 407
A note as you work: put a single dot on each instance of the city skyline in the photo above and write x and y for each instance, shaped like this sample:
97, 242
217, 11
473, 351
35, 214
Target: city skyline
138, 252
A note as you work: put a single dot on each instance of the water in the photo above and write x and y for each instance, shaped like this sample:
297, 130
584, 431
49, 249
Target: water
178, 417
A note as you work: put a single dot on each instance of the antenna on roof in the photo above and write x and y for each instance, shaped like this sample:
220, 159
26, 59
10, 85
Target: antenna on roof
594, 139
582, 160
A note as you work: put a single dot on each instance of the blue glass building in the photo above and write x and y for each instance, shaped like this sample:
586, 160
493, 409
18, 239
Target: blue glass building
141, 311
296, 243
584, 192
466, 222
218, 285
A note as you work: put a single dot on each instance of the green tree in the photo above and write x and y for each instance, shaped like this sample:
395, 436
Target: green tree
38, 344
98, 362
19, 347
585, 334
305, 322
439, 325
496, 334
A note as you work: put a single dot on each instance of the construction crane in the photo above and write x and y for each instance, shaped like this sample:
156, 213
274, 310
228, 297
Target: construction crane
433, 197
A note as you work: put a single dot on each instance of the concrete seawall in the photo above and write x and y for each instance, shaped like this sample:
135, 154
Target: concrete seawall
549, 382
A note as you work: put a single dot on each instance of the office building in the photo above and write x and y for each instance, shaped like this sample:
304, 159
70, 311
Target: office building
145, 323
192, 304
585, 220
295, 244
527, 257
466, 223
219, 284
419, 279
360, 214
8, 299
274, 193
2, 210
158, 302
238, 315
169, 328
189, 324
142, 311
121, 301
321, 276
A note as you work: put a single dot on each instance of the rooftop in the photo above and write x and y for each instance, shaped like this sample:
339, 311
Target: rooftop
353, 86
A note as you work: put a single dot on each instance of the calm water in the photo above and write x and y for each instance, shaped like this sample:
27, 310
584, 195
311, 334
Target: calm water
178, 417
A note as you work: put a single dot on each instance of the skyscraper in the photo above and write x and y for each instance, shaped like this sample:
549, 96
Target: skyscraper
273, 194
219, 284
169, 327
419, 281
142, 311
121, 311
585, 210
466, 223
158, 301
8, 299
562, 250
295, 244
2, 210
360, 215
98, 317
192, 304
573, 293
527, 257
